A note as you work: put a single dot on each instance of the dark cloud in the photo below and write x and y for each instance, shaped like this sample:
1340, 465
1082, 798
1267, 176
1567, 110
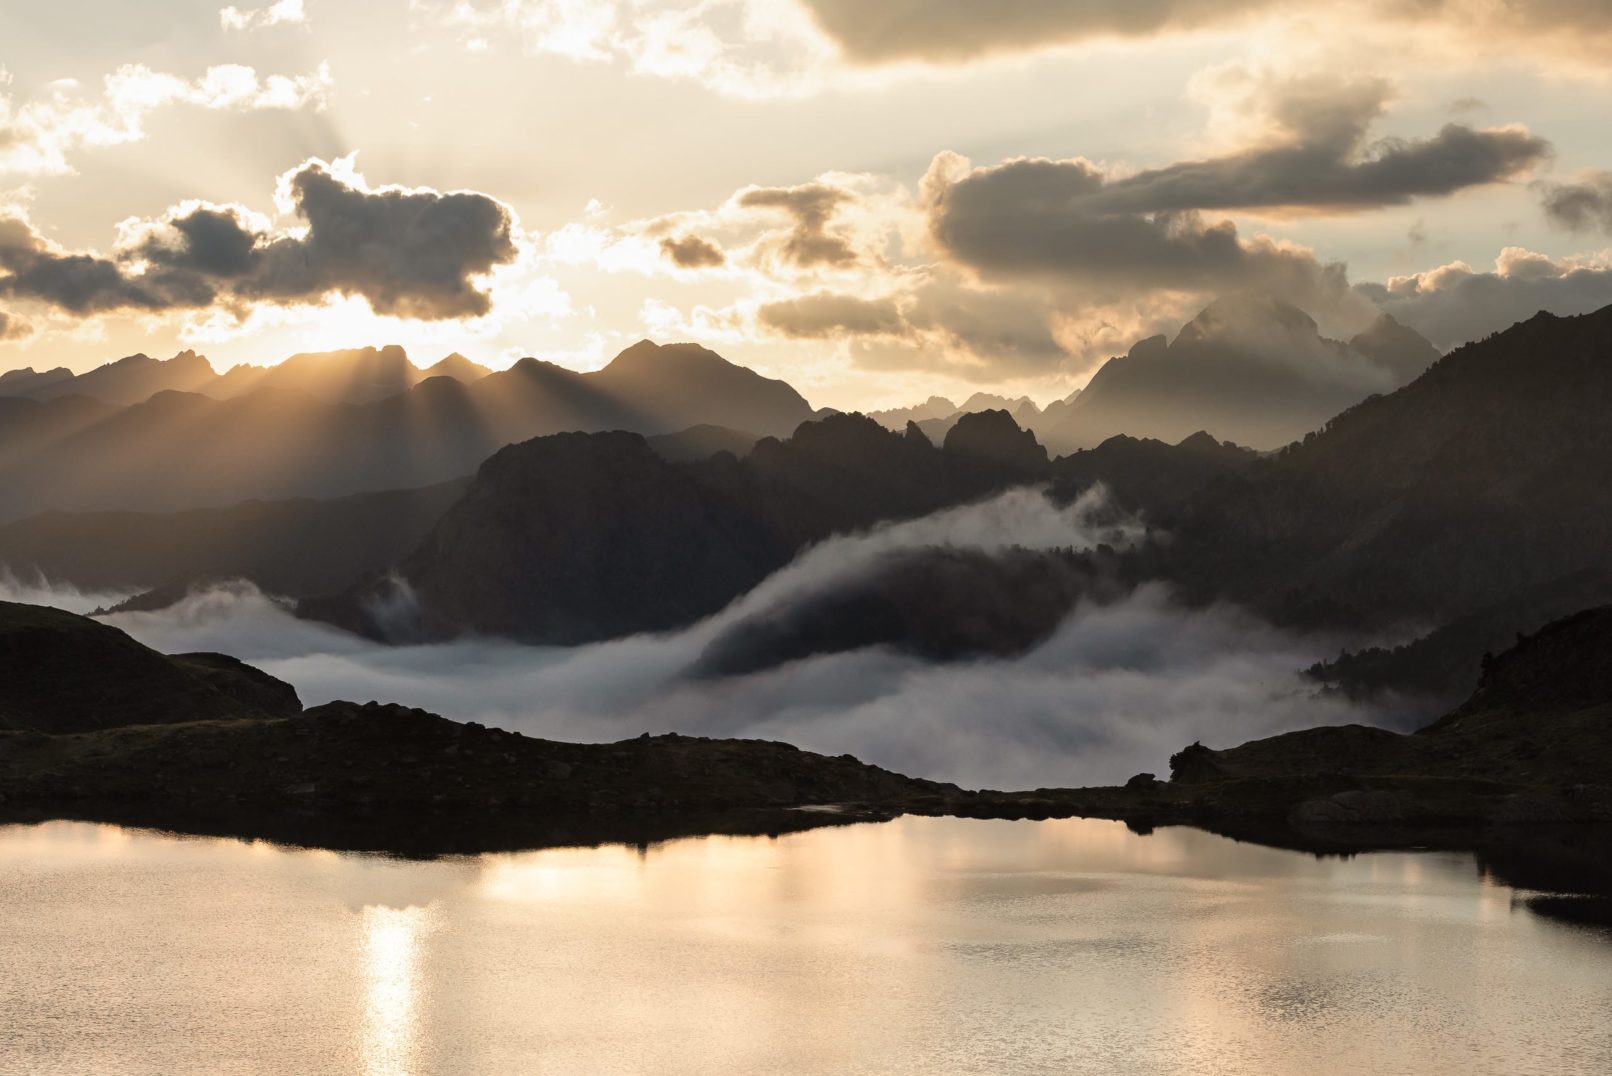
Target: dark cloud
812, 206
952, 31
1066, 220
692, 252
13, 327
1582, 206
1329, 168
894, 30
825, 314
1456, 304
30, 268
1035, 218
408, 253
937, 322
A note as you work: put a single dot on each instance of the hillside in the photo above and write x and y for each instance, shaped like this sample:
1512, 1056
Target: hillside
1474, 495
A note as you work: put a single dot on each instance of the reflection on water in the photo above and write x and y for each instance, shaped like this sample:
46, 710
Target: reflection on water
391, 939
919, 946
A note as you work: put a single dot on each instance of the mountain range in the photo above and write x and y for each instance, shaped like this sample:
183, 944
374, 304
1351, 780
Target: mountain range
1454, 511
298, 434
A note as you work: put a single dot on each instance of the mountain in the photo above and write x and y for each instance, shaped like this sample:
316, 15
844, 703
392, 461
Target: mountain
937, 415
293, 548
27, 381
701, 442
898, 417
358, 375
65, 673
1474, 496
188, 450
125, 381
576, 537
1255, 370
674, 386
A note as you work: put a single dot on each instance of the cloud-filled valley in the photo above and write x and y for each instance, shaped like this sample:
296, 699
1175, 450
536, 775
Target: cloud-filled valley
1121, 684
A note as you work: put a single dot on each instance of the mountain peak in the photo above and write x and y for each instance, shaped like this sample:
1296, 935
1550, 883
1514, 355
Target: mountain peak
993, 436
1233, 316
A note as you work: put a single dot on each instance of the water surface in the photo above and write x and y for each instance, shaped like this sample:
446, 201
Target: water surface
918, 946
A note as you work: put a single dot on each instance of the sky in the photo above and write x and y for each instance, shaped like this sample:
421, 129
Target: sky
874, 201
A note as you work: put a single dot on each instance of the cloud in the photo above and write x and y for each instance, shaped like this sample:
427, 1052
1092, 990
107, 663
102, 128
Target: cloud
1069, 219
933, 322
408, 252
942, 31
824, 314
37, 137
1115, 690
958, 31
1581, 206
812, 206
1040, 219
282, 13
746, 48
1455, 303
13, 328
692, 252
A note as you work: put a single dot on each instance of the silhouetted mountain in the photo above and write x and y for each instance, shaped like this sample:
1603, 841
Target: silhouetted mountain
675, 386
702, 442
937, 415
293, 548
126, 381
27, 381
1476, 494
1148, 477
574, 537
1256, 370
65, 673
1402, 351
359, 375
187, 450
896, 418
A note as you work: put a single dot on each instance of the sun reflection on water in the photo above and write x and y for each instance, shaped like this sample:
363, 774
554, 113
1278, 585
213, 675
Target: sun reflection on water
391, 954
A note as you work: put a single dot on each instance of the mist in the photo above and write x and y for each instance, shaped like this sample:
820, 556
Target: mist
1117, 688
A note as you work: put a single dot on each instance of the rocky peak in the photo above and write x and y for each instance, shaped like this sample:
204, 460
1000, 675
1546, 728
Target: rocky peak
993, 437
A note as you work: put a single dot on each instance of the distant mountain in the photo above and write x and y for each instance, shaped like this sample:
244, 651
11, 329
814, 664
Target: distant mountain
359, 375
627, 541
186, 450
937, 415
898, 417
1253, 369
292, 548
702, 442
128, 380
27, 381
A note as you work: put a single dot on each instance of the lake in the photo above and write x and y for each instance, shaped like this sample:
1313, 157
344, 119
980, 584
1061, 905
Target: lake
922, 945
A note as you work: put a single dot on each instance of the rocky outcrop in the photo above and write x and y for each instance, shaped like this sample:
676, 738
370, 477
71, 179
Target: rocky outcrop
64, 673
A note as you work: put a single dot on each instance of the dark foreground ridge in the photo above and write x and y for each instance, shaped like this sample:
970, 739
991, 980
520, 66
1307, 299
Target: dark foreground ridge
82, 738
